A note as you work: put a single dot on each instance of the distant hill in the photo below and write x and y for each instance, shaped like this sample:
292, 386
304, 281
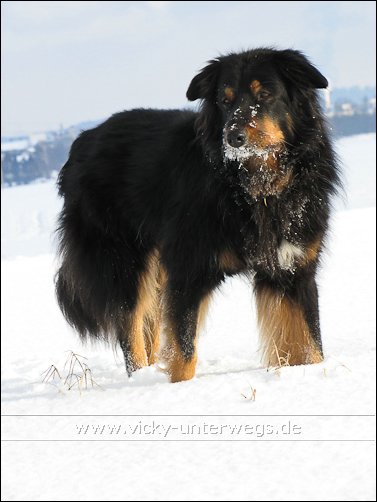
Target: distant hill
349, 125
25, 159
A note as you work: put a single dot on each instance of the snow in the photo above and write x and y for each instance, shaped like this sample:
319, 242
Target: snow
303, 458
245, 152
22, 156
20, 144
23, 143
28, 216
358, 156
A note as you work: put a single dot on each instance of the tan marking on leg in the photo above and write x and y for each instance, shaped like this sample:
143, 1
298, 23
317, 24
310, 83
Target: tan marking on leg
285, 335
151, 285
202, 312
137, 353
145, 321
179, 367
152, 328
153, 319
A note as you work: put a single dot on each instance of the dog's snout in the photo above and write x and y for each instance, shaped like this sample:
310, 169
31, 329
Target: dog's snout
236, 138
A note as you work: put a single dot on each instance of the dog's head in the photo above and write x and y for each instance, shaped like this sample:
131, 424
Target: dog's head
256, 106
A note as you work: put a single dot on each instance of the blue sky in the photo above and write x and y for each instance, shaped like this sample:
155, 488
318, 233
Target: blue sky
68, 61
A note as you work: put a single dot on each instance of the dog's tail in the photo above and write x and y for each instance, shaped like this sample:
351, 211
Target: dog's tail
73, 307
84, 282
96, 284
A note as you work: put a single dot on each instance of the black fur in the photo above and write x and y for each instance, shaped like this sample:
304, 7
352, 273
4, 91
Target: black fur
153, 179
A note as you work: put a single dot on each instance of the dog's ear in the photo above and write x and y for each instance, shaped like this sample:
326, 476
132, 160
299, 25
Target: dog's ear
204, 83
296, 68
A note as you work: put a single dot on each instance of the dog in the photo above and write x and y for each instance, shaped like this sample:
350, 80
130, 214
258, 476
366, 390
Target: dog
160, 206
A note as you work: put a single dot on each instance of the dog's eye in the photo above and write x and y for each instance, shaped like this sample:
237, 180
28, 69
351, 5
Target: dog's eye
264, 95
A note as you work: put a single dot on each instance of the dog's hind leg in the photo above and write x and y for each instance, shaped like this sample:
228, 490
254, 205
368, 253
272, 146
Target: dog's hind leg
153, 282
131, 339
139, 335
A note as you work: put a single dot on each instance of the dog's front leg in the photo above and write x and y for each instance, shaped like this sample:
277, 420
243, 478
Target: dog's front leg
185, 312
288, 320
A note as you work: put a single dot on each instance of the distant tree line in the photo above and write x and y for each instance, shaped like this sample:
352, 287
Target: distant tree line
38, 162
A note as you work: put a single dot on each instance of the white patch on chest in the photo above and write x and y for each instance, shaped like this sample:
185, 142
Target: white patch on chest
287, 254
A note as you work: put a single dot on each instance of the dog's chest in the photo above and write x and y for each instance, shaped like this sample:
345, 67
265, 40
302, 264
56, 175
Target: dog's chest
275, 257
275, 245
288, 255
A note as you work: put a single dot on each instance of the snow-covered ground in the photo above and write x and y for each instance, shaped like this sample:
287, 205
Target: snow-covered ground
256, 434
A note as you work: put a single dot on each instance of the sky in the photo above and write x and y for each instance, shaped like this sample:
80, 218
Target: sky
64, 62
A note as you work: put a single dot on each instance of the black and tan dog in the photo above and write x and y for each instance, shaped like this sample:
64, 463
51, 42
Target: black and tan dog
160, 206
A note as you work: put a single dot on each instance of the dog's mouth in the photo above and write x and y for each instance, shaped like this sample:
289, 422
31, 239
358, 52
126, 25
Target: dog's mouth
261, 171
250, 152
254, 157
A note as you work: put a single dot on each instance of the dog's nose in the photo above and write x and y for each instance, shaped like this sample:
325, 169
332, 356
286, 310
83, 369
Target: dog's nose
236, 139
